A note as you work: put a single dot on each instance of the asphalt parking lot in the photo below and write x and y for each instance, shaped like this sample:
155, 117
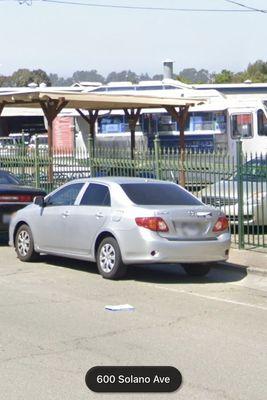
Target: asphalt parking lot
54, 327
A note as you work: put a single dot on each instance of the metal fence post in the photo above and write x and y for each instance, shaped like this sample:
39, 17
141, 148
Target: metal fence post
157, 156
36, 163
91, 155
240, 194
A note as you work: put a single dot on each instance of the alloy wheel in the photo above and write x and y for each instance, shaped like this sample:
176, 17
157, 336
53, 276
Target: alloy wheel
107, 258
24, 242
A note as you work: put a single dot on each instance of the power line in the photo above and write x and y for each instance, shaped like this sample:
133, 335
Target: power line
245, 6
247, 9
120, 6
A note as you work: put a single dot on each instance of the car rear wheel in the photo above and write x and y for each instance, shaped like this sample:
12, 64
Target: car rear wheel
196, 269
24, 245
109, 261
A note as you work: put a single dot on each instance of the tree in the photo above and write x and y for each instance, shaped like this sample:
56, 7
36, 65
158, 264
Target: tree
87, 76
191, 75
144, 77
40, 76
23, 77
258, 66
158, 77
225, 76
54, 79
123, 76
5, 81
257, 72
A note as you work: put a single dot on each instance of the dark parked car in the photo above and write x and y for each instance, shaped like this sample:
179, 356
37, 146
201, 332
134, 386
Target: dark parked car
13, 196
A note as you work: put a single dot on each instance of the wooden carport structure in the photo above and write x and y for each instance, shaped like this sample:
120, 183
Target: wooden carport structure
89, 104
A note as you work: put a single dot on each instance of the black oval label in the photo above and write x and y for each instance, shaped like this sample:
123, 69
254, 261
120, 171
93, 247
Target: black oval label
133, 379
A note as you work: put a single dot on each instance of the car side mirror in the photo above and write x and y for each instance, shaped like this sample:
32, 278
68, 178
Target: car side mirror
39, 201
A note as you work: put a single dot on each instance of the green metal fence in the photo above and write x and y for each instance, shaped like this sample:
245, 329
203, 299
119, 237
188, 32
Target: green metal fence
235, 184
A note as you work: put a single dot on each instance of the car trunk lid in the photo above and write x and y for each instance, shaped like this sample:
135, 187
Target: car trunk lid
189, 223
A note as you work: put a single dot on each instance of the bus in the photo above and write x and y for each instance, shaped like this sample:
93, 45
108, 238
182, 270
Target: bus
215, 125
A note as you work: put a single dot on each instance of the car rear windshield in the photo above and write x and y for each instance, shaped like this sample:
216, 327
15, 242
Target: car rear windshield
157, 194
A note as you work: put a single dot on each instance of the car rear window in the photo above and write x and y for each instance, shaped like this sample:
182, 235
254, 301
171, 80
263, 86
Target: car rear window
158, 194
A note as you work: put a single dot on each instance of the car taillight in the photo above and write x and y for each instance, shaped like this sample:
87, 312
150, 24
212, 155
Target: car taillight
155, 224
222, 224
20, 198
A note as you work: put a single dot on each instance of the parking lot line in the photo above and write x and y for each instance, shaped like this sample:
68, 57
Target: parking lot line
239, 303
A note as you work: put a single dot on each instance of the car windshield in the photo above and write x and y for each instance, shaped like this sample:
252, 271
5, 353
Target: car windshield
159, 194
8, 179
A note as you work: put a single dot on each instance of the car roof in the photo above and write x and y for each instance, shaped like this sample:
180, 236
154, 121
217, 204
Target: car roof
119, 180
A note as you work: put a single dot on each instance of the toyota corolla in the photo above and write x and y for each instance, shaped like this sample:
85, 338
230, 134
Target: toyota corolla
116, 222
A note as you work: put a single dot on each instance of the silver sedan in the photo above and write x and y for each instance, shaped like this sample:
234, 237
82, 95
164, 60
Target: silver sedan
121, 221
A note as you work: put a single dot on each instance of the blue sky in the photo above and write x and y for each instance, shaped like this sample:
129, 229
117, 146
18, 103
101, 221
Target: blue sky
65, 38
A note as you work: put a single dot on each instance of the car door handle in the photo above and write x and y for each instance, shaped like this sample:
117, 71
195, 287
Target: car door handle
65, 214
99, 214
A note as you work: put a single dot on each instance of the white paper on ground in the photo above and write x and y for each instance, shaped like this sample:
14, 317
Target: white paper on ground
120, 307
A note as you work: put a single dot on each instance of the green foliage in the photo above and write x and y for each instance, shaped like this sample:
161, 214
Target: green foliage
87, 76
225, 76
23, 77
5, 81
158, 77
191, 75
255, 72
122, 76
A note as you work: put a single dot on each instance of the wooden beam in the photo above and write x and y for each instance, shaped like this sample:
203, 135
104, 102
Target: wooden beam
2, 105
83, 115
181, 118
51, 108
91, 120
133, 117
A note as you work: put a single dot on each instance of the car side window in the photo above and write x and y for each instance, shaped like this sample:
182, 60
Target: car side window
96, 195
65, 196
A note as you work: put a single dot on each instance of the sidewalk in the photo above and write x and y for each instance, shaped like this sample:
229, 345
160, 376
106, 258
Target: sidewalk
252, 261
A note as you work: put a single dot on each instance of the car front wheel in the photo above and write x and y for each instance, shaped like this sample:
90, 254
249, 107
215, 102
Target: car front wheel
109, 261
24, 245
196, 269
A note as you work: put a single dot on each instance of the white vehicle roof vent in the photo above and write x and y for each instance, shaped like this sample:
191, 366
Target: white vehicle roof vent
32, 85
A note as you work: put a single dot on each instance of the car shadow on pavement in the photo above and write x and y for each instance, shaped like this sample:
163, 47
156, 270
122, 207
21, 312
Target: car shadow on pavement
3, 239
174, 273
79, 265
154, 273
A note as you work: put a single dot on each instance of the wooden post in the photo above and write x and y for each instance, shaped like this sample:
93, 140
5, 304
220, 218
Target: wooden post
91, 120
2, 105
133, 117
181, 118
51, 108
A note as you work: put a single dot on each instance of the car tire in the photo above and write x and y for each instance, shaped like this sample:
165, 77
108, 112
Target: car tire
24, 244
196, 269
109, 260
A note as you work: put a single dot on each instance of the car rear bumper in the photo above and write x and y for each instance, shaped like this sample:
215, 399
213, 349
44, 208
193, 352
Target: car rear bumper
179, 251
